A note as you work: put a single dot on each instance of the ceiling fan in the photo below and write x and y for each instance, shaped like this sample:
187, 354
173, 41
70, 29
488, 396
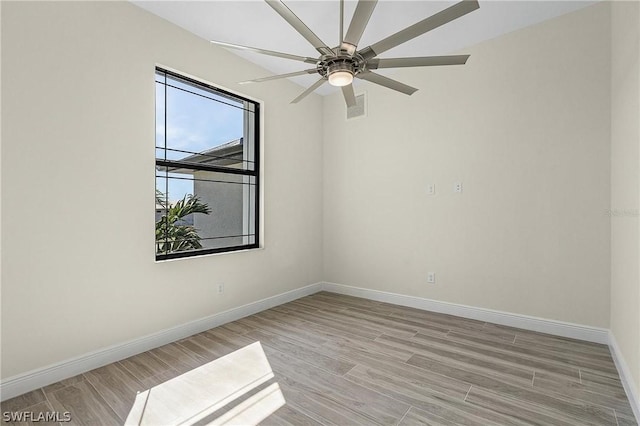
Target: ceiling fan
341, 64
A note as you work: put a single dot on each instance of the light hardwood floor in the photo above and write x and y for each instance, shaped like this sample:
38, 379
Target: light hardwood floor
349, 361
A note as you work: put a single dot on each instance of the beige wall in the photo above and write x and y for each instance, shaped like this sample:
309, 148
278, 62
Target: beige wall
625, 182
78, 182
525, 127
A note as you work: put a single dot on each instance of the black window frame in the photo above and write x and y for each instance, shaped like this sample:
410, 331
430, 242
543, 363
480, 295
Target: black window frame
255, 172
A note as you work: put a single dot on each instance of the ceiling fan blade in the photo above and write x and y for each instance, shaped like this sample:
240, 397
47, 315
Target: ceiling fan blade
349, 95
279, 76
299, 26
426, 61
387, 82
266, 52
361, 16
427, 24
309, 90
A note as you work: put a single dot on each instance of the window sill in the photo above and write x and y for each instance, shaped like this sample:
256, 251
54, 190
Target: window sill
209, 255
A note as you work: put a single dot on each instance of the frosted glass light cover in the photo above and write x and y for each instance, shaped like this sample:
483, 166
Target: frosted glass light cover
340, 78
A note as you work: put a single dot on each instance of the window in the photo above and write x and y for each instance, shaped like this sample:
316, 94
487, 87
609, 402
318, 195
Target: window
207, 168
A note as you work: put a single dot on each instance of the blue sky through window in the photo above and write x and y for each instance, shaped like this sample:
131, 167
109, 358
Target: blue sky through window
195, 123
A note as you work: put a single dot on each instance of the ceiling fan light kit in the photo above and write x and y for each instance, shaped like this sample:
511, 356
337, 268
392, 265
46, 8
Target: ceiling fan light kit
340, 78
340, 65
340, 74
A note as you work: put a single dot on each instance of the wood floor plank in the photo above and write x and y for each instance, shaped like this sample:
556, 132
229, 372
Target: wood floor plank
556, 342
562, 342
332, 365
425, 397
206, 346
236, 327
562, 382
358, 329
463, 359
23, 401
357, 342
328, 333
559, 359
448, 321
584, 351
409, 323
179, 358
116, 386
601, 383
376, 407
290, 307
306, 305
284, 327
588, 413
625, 420
381, 324
316, 303
215, 345
201, 351
581, 392
437, 382
63, 383
500, 335
529, 413
288, 416
498, 355
158, 379
415, 417
316, 405
410, 390
280, 317
579, 354
85, 405
230, 339
144, 365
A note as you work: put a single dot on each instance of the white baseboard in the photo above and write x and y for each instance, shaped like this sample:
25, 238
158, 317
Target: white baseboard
558, 328
625, 376
22, 383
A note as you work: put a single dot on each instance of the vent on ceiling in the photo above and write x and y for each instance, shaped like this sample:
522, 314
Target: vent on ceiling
359, 109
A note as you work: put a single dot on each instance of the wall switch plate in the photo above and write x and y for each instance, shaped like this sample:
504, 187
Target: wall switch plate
431, 189
220, 288
431, 277
457, 187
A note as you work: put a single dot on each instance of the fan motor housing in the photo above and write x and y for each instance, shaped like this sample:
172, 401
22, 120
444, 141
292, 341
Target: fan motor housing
330, 65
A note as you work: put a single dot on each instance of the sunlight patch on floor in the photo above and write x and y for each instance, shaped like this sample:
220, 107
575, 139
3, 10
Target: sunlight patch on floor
205, 394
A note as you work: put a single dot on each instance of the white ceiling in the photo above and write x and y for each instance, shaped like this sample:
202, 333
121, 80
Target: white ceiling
253, 23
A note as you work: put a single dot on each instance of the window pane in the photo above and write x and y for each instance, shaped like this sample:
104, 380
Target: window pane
210, 129
209, 209
197, 123
205, 92
159, 116
174, 186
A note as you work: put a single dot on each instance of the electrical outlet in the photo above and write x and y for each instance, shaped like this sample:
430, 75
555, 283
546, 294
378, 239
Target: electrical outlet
220, 288
431, 189
431, 277
457, 187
